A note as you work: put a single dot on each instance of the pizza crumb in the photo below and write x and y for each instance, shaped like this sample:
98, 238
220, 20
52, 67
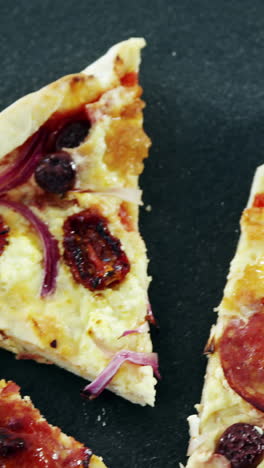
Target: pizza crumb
148, 208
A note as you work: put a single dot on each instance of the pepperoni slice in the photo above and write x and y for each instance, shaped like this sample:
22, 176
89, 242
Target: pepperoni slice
242, 358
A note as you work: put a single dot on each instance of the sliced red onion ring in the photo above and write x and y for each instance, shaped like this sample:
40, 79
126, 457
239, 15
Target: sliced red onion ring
50, 245
150, 316
25, 164
142, 359
143, 328
127, 194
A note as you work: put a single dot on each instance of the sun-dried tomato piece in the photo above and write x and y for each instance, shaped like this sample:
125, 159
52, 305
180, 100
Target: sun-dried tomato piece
259, 200
242, 444
125, 217
130, 79
4, 231
95, 257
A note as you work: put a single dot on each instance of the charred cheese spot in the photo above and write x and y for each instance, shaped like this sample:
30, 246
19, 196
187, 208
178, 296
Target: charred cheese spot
119, 66
248, 289
210, 346
127, 147
46, 328
253, 224
133, 110
80, 89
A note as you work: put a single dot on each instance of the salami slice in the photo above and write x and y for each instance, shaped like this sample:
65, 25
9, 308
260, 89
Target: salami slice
242, 358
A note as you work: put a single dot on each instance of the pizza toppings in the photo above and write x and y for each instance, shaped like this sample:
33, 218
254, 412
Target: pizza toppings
10, 444
4, 230
143, 328
150, 316
29, 156
60, 131
130, 79
242, 358
94, 256
72, 134
50, 245
56, 173
142, 359
125, 217
243, 445
258, 200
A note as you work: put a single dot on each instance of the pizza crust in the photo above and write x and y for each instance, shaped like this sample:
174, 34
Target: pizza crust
23, 118
221, 406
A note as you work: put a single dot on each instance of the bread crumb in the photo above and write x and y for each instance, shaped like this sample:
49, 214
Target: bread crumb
99, 418
174, 53
104, 423
148, 208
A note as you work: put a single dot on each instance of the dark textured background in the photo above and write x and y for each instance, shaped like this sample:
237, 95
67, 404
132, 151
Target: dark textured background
203, 74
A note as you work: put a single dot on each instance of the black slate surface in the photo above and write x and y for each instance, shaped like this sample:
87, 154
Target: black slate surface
203, 74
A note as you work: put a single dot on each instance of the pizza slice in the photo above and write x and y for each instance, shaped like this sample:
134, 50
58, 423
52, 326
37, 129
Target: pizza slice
27, 440
229, 430
73, 266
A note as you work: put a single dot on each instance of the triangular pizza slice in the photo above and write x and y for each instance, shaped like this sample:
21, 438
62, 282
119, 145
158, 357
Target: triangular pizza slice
229, 430
73, 266
27, 440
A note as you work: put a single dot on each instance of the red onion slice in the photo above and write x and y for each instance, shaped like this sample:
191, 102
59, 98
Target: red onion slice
143, 328
50, 245
142, 359
25, 164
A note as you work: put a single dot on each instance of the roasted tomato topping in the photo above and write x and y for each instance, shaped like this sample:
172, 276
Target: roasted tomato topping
4, 230
243, 445
9, 444
125, 217
130, 79
259, 200
94, 256
72, 134
56, 173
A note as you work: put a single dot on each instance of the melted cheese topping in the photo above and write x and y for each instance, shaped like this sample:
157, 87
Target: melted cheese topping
221, 406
